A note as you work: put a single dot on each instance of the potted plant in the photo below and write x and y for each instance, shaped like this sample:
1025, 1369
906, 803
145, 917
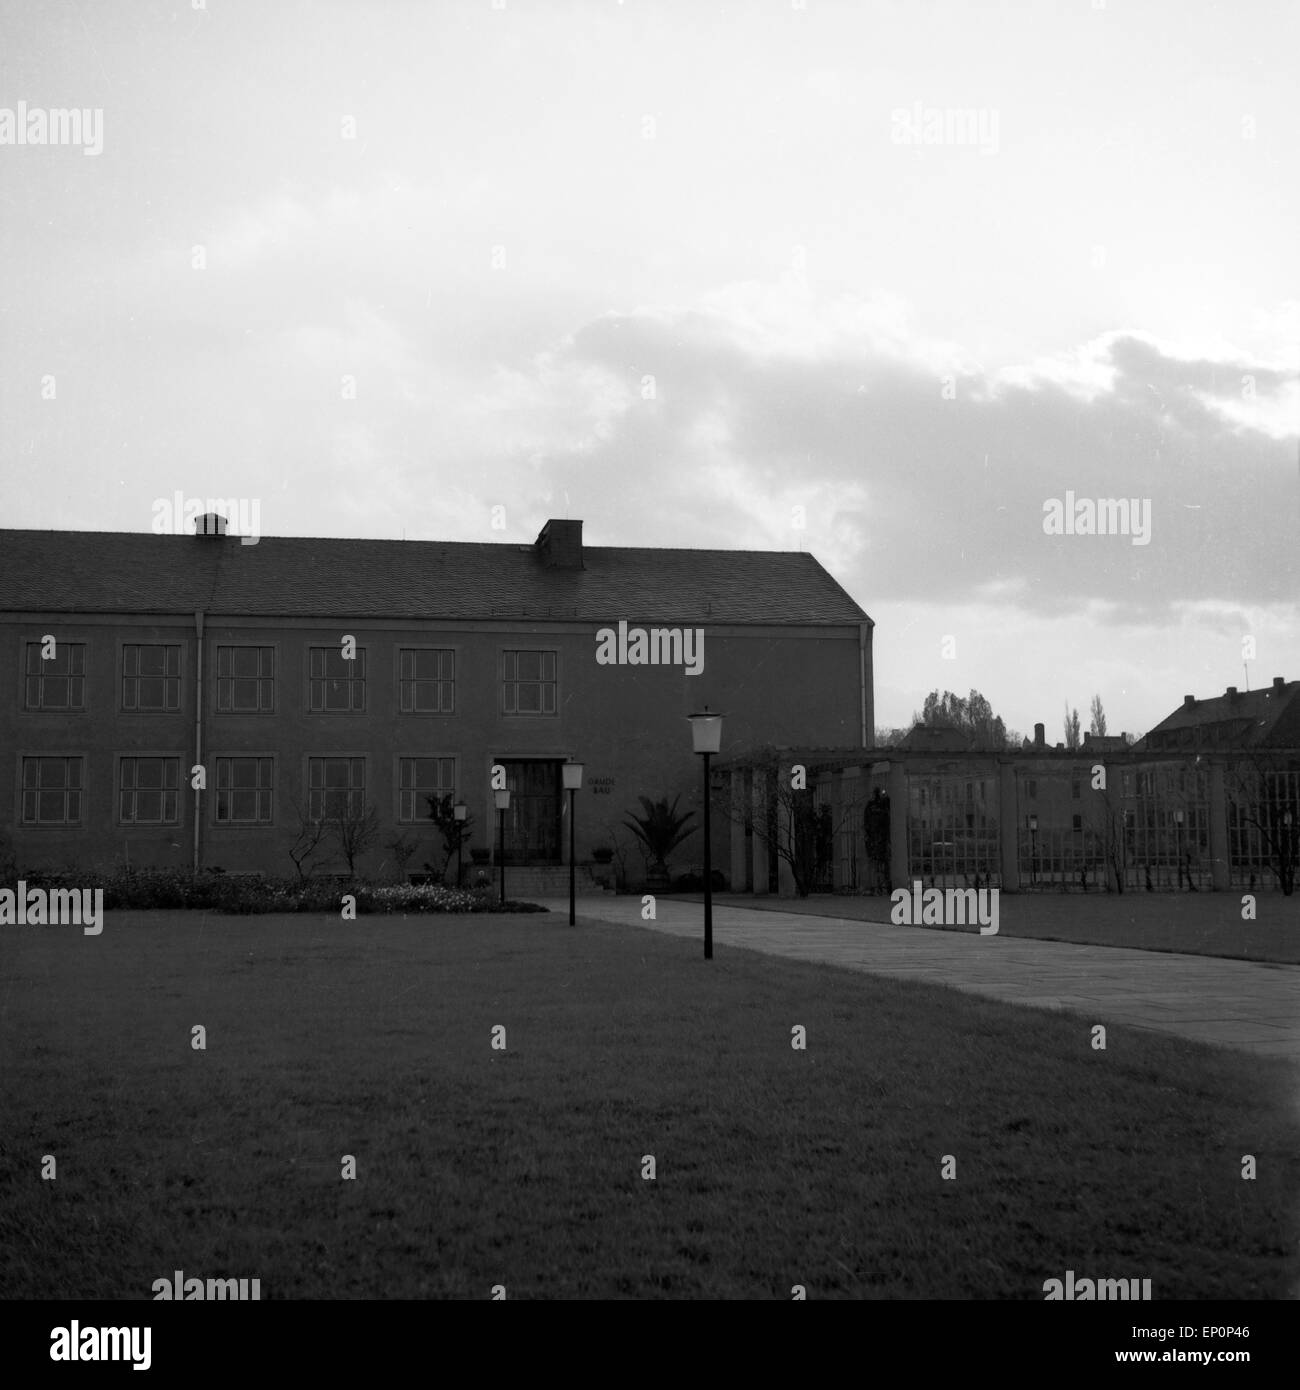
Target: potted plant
660, 830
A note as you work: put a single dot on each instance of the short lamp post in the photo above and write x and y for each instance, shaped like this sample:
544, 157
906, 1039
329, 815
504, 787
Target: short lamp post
572, 774
706, 734
460, 811
502, 797
1033, 850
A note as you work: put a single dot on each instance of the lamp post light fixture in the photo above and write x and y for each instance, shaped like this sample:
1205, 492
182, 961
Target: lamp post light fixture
572, 774
460, 811
1033, 850
502, 796
706, 736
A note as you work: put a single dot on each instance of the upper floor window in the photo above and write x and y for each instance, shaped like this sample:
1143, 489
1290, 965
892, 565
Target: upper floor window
529, 682
52, 791
427, 680
151, 677
57, 682
246, 680
148, 791
337, 684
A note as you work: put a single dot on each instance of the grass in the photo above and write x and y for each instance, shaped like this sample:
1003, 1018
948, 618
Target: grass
1198, 924
522, 1167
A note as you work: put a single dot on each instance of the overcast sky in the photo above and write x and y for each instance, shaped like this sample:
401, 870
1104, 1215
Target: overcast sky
681, 270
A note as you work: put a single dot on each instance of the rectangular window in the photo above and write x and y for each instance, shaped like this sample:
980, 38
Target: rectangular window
52, 791
336, 787
529, 682
246, 680
1033, 790
417, 780
427, 681
337, 685
148, 791
151, 677
1078, 822
57, 682
1076, 786
244, 788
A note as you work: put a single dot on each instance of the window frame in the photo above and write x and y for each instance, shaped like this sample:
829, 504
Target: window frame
215, 789
83, 790
120, 788
24, 676
505, 681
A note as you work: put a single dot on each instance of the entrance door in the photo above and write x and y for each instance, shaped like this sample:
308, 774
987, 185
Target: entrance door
533, 820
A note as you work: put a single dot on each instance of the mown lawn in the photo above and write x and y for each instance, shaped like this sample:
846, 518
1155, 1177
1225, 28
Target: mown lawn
523, 1167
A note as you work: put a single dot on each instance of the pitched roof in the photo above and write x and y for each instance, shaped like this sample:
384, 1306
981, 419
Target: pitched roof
290, 576
1265, 718
926, 738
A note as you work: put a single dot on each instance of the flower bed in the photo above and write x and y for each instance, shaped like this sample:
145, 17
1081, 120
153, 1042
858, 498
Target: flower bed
148, 889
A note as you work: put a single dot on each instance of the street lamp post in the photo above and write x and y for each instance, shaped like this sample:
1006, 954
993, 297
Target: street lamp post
706, 736
572, 774
502, 796
1033, 851
1178, 822
460, 811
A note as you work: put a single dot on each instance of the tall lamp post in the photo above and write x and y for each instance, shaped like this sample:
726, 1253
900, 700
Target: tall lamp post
572, 774
460, 811
502, 797
1178, 822
706, 735
1033, 851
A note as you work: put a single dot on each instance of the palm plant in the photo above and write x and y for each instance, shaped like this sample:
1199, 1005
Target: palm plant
660, 830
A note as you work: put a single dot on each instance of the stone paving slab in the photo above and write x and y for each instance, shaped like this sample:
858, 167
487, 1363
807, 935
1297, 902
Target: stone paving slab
1228, 1003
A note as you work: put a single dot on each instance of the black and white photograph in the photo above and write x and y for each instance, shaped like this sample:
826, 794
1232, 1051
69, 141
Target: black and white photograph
649, 651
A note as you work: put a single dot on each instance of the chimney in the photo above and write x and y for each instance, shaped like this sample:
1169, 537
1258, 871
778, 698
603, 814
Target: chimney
1040, 735
1188, 701
1278, 683
1232, 692
560, 545
210, 524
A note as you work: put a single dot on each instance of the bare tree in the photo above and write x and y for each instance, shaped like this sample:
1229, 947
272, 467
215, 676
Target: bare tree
1098, 727
789, 824
355, 830
1073, 737
1264, 791
403, 847
305, 849
1107, 821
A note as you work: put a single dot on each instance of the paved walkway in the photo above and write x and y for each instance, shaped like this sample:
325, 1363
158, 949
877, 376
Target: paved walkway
1230, 1003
